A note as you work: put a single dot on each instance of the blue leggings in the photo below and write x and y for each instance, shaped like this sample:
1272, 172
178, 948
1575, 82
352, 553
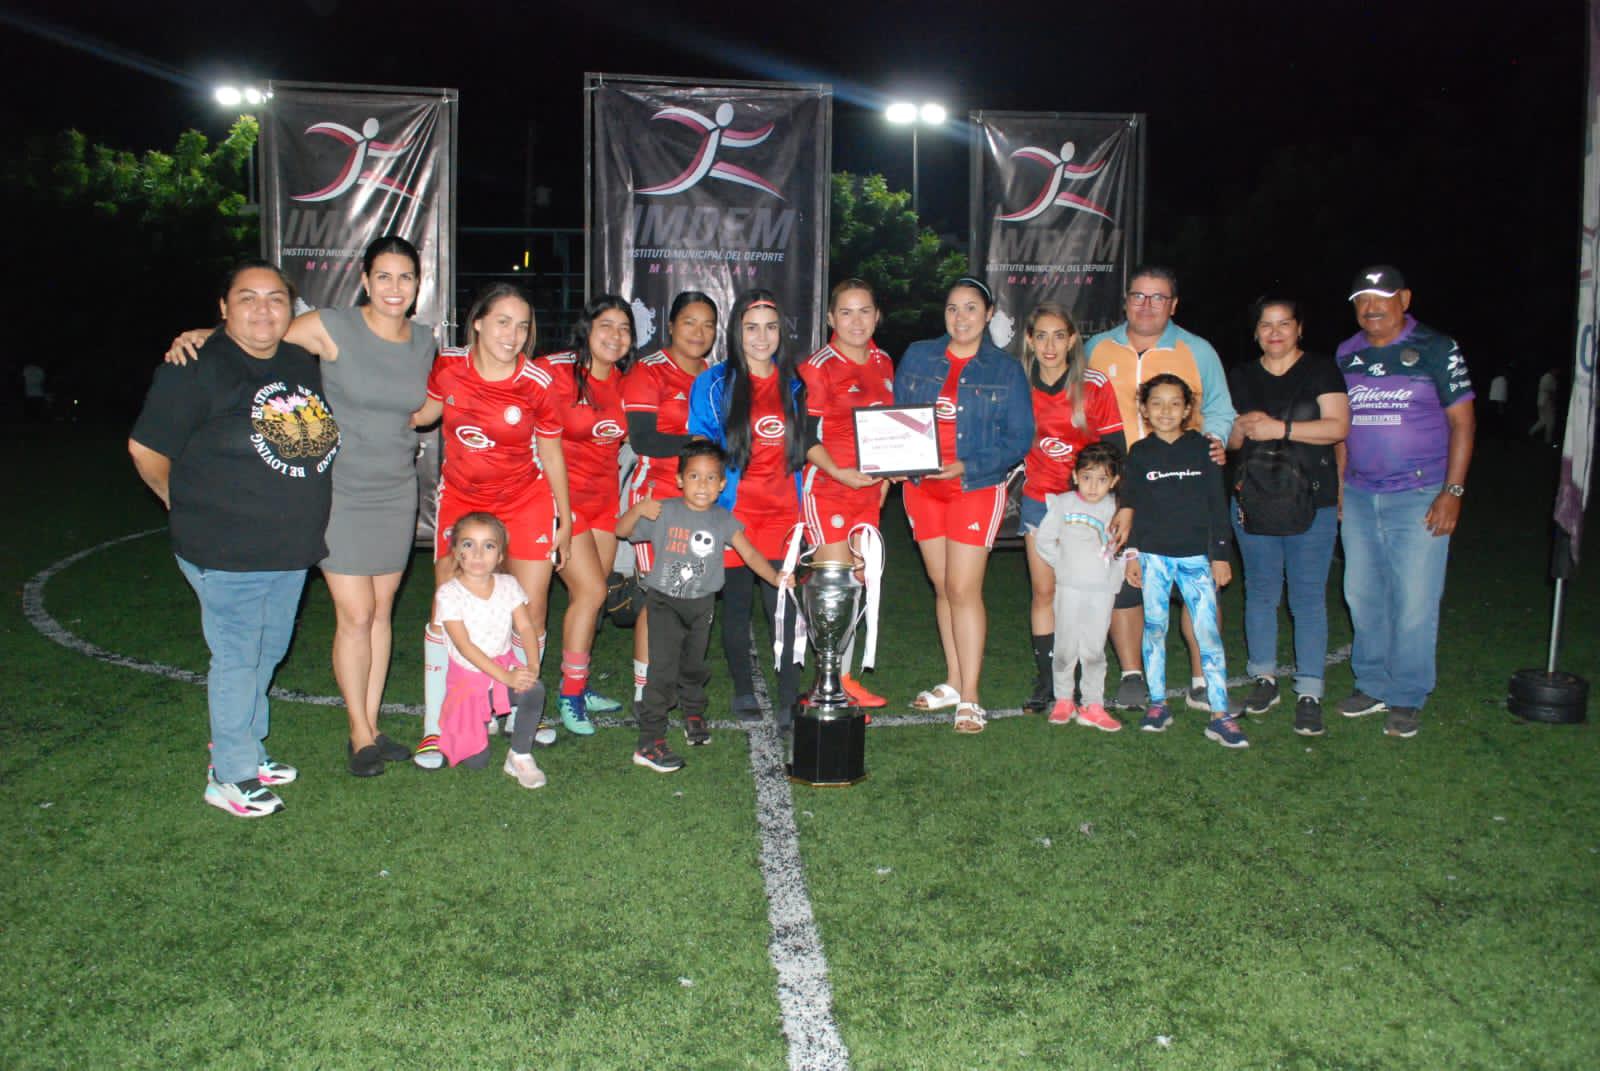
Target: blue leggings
1193, 577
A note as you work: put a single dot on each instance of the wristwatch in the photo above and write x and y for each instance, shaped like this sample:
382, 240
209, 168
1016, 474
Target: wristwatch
1454, 489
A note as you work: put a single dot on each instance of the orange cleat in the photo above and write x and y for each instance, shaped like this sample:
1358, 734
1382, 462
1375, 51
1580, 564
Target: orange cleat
860, 696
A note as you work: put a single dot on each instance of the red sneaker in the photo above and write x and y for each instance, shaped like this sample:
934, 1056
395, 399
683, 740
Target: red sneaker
1062, 713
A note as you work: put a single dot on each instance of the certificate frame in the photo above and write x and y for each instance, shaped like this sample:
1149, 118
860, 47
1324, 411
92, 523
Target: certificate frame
896, 440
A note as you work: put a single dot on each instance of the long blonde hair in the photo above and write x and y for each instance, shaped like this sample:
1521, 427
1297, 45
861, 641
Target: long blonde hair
1076, 359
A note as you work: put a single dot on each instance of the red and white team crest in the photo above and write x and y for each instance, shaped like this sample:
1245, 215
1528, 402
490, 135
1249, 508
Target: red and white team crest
769, 429
474, 438
1053, 447
513, 415
944, 409
606, 431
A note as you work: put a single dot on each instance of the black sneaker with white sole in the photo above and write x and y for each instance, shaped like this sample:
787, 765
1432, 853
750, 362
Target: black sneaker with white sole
1262, 696
1197, 699
695, 730
1402, 722
1132, 693
658, 757
1308, 716
1359, 704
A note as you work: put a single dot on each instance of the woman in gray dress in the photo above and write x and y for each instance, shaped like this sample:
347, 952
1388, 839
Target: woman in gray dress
375, 363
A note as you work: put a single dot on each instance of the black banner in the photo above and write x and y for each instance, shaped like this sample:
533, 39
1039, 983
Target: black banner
342, 165
1057, 214
718, 188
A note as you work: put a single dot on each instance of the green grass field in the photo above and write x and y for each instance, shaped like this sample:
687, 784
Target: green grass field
1034, 897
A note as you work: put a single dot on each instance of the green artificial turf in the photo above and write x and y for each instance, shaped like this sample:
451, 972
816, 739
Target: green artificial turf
1032, 897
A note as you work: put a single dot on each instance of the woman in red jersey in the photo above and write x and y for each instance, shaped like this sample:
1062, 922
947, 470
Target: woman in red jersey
1073, 406
586, 387
847, 374
753, 405
655, 396
502, 455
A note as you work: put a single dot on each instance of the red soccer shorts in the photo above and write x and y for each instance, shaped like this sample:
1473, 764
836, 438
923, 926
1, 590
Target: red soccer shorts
944, 511
530, 521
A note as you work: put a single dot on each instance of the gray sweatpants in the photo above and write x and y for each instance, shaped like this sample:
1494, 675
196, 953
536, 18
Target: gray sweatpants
1083, 620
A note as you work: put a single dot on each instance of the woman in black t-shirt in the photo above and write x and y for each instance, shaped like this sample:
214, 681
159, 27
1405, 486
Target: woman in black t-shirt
1293, 396
239, 447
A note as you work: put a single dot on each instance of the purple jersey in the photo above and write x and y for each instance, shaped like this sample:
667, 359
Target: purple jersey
1399, 434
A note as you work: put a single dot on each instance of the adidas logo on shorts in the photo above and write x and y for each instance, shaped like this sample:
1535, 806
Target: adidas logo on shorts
973, 527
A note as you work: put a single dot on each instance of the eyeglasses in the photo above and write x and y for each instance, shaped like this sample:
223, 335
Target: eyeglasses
1136, 299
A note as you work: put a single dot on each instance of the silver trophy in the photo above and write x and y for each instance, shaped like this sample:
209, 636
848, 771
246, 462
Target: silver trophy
830, 730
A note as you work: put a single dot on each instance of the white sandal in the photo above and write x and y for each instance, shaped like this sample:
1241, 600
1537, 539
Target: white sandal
939, 697
970, 718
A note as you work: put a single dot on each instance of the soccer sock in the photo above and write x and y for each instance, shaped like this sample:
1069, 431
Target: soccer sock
574, 672
1197, 682
435, 662
640, 671
522, 656
533, 701
1043, 649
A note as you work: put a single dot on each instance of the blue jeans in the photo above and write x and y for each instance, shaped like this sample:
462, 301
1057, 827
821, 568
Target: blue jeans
1305, 558
1393, 581
247, 619
1193, 578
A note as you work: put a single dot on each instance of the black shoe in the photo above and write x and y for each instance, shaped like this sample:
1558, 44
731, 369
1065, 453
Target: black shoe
747, 708
1403, 722
695, 731
1308, 716
1262, 696
658, 757
1042, 696
1132, 693
1359, 704
368, 762
390, 750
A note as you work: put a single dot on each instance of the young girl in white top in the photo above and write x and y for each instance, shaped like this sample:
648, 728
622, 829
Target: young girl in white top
478, 611
1074, 540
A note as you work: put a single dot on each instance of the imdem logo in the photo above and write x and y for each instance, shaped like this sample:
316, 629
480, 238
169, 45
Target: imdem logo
363, 150
1061, 171
715, 134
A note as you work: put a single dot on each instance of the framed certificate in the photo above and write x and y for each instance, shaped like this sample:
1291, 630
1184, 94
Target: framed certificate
897, 440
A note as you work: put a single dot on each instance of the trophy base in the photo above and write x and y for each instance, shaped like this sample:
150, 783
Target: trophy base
830, 746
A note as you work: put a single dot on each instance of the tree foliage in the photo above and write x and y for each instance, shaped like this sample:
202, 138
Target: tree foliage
117, 251
876, 237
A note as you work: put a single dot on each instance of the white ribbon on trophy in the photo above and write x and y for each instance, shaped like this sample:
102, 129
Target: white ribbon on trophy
866, 546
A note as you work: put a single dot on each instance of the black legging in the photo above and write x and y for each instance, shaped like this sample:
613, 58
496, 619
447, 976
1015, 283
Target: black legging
737, 639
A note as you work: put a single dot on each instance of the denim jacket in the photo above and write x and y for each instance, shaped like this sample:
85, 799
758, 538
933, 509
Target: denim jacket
705, 420
994, 412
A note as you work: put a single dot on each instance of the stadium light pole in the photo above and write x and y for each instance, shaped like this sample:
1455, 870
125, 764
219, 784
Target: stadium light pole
234, 98
904, 113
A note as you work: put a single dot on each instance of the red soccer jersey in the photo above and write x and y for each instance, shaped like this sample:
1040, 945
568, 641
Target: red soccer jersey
657, 385
489, 426
1057, 440
765, 484
944, 408
592, 428
836, 386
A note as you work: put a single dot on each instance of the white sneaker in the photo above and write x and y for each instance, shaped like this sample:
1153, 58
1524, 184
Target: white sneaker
247, 799
524, 769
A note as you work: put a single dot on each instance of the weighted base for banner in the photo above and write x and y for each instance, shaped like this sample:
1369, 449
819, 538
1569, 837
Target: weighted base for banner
1554, 698
830, 747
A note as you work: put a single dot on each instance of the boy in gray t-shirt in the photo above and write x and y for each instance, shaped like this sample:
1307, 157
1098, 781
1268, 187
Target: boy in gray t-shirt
686, 536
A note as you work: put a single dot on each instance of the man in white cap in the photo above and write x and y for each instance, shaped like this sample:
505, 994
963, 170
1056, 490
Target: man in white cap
1410, 445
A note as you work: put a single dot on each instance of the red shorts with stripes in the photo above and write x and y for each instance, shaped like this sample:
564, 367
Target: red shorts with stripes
530, 521
939, 509
594, 505
642, 556
832, 511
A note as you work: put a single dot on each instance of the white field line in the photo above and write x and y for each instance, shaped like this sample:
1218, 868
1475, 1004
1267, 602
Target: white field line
805, 994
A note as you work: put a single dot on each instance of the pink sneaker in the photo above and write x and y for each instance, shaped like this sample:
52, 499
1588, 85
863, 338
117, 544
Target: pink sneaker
1094, 715
1062, 713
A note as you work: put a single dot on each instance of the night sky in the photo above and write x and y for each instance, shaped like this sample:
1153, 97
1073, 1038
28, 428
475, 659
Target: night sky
1485, 226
